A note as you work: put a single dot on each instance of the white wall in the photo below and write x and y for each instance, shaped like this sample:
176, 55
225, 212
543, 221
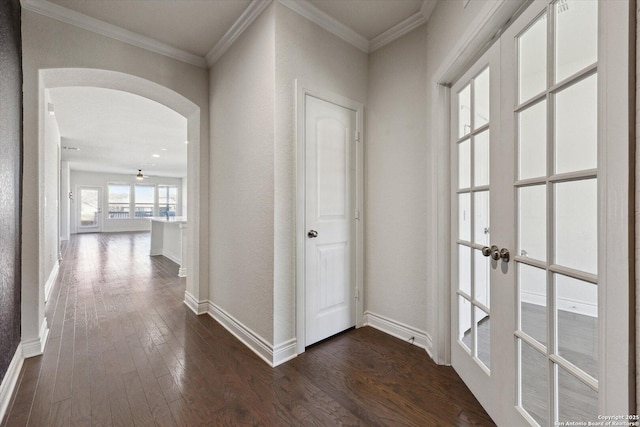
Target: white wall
242, 184
325, 63
396, 182
65, 188
92, 179
50, 44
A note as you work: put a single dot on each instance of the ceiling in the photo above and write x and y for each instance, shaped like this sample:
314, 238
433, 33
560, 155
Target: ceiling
118, 132
369, 18
197, 26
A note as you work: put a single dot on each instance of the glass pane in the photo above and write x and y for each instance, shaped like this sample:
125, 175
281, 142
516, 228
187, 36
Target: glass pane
464, 321
577, 402
464, 217
533, 302
464, 111
481, 278
481, 99
481, 217
481, 159
532, 141
577, 225
532, 222
533, 383
119, 196
88, 208
577, 305
532, 60
483, 334
145, 200
577, 126
464, 164
576, 36
464, 269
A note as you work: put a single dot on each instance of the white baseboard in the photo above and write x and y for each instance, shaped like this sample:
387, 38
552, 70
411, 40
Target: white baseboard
273, 355
10, 380
399, 330
182, 271
35, 346
284, 352
198, 307
53, 276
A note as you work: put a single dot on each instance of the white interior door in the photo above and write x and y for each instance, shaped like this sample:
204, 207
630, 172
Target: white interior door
330, 147
89, 214
527, 334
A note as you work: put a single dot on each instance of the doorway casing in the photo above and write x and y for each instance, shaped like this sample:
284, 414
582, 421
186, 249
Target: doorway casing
302, 90
196, 288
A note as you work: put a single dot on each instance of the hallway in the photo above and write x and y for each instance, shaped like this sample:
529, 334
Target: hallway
124, 350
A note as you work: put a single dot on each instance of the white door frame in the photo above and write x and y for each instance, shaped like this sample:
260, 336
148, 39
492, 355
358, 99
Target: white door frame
616, 242
302, 90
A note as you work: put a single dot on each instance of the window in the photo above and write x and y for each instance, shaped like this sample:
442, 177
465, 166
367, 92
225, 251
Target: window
144, 200
167, 199
119, 200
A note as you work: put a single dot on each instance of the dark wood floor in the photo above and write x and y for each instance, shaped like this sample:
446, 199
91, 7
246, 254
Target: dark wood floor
124, 350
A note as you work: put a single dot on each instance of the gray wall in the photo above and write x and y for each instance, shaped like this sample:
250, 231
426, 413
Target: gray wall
10, 176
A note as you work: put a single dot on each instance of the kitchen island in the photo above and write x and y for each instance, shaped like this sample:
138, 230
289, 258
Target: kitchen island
168, 239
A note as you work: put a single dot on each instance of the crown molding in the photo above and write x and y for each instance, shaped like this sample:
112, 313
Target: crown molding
397, 31
80, 20
409, 24
252, 11
312, 13
427, 8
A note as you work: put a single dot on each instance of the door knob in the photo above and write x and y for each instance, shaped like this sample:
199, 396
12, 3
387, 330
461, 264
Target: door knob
486, 251
496, 253
312, 233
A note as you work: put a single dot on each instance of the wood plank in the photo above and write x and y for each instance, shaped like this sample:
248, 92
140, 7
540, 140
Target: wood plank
124, 350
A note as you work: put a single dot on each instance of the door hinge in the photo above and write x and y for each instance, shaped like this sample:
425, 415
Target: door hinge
357, 214
357, 294
357, 136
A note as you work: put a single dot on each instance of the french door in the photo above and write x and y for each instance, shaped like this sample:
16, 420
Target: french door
531, 160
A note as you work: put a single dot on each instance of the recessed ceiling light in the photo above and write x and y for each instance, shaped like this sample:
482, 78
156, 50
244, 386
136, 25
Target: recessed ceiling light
186, 142
163, 149
155, 155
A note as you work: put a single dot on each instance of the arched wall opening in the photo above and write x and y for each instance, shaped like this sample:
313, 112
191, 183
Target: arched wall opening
196, 288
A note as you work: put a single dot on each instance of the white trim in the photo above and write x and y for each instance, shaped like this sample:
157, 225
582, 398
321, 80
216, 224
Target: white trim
302, 90
51, 280
250, 14
182, 271
10, 380
273, 355
198, 307
80, 20
35, 346
399, 330
284, 352
397, 31
305, 9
